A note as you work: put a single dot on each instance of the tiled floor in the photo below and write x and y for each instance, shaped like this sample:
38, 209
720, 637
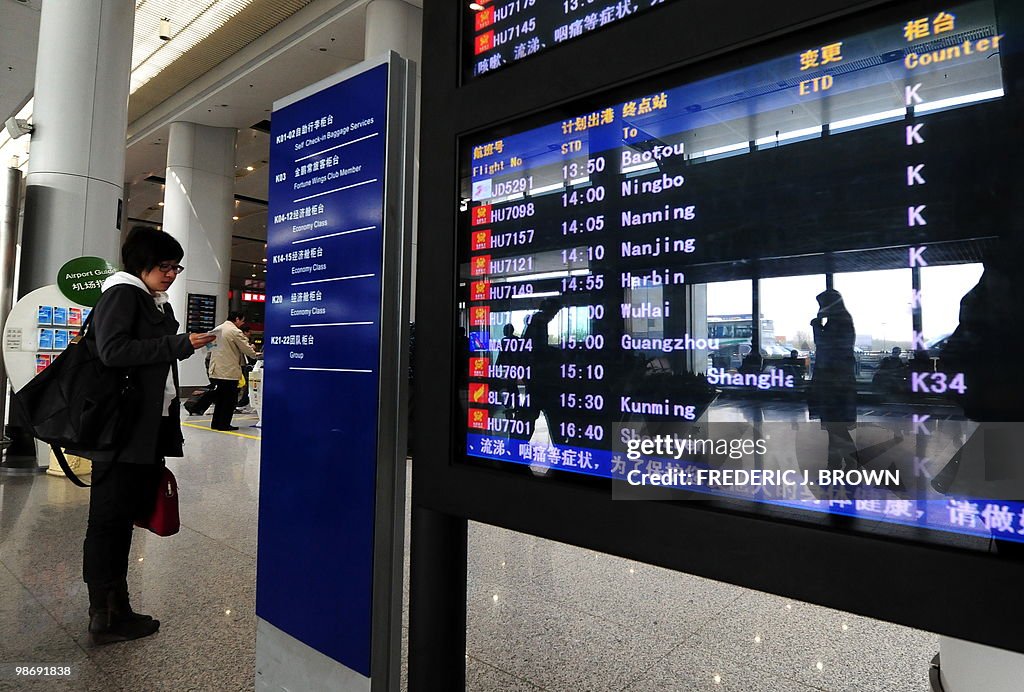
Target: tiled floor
542, 615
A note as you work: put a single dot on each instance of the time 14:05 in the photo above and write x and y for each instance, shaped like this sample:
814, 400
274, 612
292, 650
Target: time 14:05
590, 224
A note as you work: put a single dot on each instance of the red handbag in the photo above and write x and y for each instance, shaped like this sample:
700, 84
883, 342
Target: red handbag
164, 520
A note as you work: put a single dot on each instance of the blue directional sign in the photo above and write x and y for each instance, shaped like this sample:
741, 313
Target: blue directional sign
322, 349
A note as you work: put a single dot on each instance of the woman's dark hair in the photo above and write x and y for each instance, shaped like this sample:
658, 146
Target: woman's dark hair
145, 247
235, 315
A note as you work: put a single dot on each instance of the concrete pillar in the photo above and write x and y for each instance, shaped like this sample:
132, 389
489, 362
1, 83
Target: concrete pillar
396, 25
393, 25
126, 225
198, 204
80, 114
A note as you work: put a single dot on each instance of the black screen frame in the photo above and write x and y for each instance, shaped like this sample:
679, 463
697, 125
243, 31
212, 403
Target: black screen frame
897, 580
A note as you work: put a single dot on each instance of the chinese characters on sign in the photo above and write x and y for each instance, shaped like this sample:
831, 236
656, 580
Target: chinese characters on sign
503, 32
584, 236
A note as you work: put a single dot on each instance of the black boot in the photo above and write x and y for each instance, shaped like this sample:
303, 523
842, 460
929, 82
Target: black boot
109, 622
123, 606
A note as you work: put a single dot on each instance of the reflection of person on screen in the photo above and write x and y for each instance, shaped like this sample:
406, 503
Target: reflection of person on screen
833, 393
985, 350
543, 385
752, 363
891, 375
509, 357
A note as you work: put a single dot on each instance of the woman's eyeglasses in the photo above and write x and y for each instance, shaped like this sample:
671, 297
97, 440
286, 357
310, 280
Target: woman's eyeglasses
166, 267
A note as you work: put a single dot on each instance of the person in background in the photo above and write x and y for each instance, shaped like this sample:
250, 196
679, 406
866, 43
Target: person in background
134, 328
226, 369
510, 356
247, 363
793, 365
833, 394
197, 405
752, 362
544, 386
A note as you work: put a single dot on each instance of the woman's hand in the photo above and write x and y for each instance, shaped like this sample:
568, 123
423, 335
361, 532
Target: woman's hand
200, 340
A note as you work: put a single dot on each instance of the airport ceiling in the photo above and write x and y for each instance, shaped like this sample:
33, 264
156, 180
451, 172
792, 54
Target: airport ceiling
230, 78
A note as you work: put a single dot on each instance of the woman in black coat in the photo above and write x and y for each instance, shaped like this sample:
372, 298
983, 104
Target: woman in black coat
833, 392
134, 328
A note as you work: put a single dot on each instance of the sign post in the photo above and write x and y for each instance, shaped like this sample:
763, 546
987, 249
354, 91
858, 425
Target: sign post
81, 279
332, 470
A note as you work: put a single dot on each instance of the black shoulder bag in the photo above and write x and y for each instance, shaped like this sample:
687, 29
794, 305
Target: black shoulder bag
77, 402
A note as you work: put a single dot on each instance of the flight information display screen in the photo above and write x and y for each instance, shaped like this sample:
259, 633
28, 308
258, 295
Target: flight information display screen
791, 286
498, 33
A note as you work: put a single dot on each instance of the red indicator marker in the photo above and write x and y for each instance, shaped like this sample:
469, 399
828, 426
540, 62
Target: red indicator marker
484, 18
479, 367
480, 290
482, 215
484, 42
478, 418
480, 316
480, 265
481, 240
478, 393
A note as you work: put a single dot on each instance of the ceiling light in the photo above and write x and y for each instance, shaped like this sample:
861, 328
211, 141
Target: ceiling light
165, 29
249, 168
152, 53
475, 6
159, 204
234, 218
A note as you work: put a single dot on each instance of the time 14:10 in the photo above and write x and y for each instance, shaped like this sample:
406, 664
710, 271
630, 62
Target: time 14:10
585, 253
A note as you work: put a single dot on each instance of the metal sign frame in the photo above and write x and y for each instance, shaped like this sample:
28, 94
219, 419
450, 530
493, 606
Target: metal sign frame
290, 659
783, 557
